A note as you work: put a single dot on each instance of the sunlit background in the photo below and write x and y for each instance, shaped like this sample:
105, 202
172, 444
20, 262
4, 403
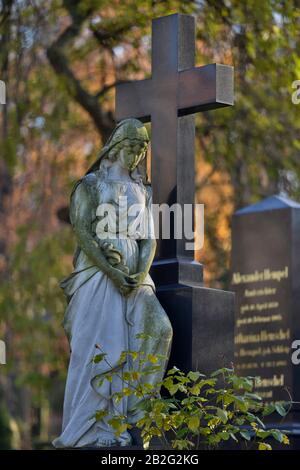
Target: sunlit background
60, 61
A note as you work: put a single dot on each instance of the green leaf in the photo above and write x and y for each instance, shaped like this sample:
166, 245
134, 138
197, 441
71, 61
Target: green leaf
152, 358
277, 435
222, 414
224, 435
268, 409
194, 375
285, 439
123, 357
264, 446
256, 419
240, 403
171, 406
134, 354
182, 432
135, 375
246, 435
240, 420
195, 389
99, 357
173, 389
182, 444
263, 434
100, 414
241, 383
222, 371
193, 423
227, 398
173, 371
279, 407
253, 396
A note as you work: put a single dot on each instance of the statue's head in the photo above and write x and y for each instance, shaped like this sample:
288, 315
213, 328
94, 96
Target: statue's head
128, 144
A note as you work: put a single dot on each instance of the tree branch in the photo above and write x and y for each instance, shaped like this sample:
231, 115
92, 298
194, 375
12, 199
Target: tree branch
103, 120
108, 38
106, 88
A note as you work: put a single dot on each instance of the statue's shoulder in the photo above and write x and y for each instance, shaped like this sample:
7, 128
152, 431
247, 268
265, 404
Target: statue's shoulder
87, 183
82, 196
89, 180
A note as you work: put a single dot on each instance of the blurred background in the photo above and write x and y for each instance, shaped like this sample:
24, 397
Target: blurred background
60, 60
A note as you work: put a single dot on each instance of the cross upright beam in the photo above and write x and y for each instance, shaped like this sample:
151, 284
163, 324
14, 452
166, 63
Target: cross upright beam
176, 90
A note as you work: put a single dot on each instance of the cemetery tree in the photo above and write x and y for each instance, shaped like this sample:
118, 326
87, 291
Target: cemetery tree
257, 40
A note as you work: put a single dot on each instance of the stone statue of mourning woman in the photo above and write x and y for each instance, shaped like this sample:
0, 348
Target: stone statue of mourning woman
110, 292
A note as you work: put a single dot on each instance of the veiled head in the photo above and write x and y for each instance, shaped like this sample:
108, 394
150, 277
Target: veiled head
128, 144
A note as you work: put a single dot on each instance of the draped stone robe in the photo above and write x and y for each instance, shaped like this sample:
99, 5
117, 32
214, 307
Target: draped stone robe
97, 313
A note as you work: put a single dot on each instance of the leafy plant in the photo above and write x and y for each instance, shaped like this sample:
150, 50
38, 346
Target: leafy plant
199, 412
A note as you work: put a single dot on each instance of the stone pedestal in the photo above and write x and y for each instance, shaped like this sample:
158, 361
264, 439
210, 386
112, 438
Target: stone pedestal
202, 318
203, 325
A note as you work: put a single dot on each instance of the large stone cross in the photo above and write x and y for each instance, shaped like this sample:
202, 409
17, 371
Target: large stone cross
176, 90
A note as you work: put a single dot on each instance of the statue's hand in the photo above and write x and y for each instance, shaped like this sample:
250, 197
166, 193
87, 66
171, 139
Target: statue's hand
139, 277
114, 256
123, 281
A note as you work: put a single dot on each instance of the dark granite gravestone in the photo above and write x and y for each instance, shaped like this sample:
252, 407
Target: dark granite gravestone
202, 318
266, 281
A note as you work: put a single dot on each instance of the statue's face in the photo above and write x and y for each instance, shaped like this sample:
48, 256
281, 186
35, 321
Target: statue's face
132, 153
